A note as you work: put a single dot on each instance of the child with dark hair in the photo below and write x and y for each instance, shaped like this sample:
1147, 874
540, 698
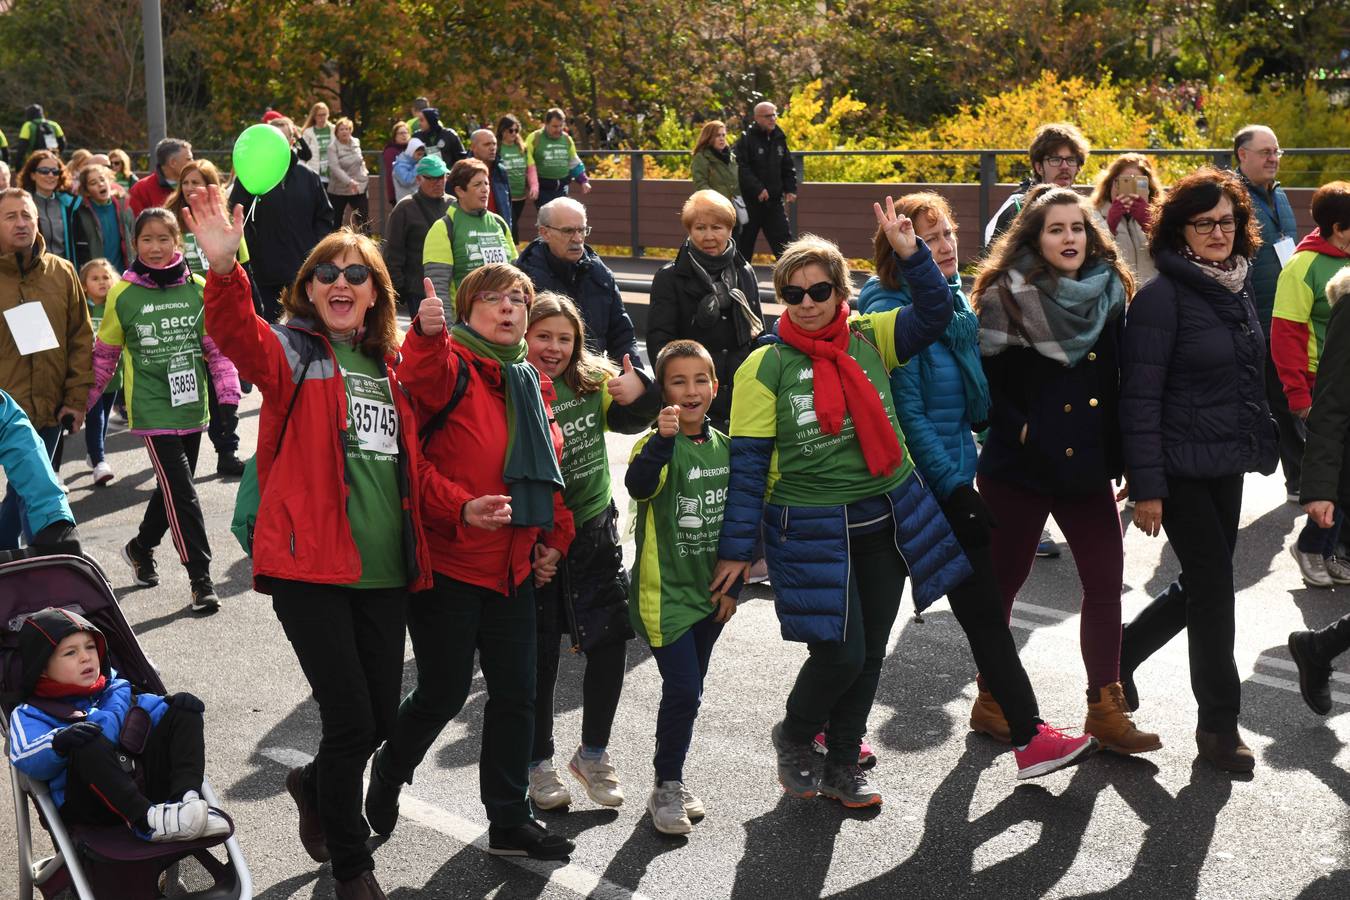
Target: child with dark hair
80, 720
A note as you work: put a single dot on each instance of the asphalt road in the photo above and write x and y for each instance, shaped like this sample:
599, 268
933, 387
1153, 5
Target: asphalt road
955, 822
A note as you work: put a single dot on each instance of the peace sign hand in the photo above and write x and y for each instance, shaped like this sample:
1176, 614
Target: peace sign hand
899, 230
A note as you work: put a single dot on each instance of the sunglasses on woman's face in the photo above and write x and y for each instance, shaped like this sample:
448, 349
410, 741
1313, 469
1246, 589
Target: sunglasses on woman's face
328, 273
819, 292
47, 170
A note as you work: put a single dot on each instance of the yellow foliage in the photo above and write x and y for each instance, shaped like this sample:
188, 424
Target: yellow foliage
810, 126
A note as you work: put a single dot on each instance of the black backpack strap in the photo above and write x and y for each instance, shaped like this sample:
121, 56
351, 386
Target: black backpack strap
437, 422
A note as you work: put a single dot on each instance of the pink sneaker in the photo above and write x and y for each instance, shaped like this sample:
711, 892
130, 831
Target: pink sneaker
866, 758
1052, 749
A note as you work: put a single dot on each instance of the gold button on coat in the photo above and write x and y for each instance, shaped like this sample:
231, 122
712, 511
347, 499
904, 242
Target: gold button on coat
1092, 402
1068, 407
1068, 451
1092, 356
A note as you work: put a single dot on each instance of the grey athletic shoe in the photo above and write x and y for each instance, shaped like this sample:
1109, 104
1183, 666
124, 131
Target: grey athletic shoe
849, 785
666, 805
796, 765
1312, 567
693, 806
1338, 569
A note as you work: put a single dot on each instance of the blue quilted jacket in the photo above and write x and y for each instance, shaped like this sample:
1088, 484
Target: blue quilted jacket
1277, 221
930, 400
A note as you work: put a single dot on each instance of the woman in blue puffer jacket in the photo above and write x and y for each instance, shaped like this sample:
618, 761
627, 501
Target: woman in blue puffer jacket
941, 398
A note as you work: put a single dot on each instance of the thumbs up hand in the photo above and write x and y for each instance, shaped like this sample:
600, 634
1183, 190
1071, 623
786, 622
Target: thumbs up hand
431, 314
627, 386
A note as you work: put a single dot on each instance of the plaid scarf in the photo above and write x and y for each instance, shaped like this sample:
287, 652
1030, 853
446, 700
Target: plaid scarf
1059, 318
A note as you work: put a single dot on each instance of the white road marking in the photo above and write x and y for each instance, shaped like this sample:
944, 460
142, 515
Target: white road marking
574, 878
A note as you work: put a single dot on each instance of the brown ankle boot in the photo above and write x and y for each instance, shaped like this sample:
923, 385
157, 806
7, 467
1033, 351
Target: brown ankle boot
1108, 720
1225, 750
986, 716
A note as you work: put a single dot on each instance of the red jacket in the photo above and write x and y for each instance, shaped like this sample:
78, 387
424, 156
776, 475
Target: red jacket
470, 450
302, 532
147, 192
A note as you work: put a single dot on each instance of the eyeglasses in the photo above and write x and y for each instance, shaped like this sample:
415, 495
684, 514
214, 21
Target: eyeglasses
495, 298
1227, 225
47, 170
583, 231
819, 292
1268, 152
1057, 162
327, 273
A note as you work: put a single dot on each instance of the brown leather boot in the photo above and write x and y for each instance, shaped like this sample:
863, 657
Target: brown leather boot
311, 829
362, 887
1225, 750
1108, 720
986, 717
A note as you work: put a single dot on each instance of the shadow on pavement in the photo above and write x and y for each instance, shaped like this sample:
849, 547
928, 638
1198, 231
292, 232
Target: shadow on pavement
630, 862
774, 851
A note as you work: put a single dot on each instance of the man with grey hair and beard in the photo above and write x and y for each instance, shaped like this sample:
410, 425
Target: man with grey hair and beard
559, 260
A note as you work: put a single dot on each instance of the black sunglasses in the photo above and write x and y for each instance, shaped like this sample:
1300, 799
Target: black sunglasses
46, 170
327, 273
819, 292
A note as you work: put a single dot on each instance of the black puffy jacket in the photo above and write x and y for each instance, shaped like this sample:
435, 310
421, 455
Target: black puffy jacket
1193, 399
288, 221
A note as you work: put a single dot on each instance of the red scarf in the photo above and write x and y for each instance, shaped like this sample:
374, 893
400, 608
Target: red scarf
56, 690
842, 385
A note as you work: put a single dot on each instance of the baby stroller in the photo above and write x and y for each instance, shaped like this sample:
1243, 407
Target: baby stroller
95, 862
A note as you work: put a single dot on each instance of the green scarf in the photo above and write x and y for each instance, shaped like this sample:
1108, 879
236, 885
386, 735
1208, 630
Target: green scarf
531, 469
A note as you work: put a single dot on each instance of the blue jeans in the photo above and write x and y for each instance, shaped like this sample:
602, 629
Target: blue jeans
96, 427
1315, 539
683, 666
13, 516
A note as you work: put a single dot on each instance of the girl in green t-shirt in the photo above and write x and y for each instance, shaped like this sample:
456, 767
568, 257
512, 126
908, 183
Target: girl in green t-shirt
97, 278
318, 134
592, 398
153, 323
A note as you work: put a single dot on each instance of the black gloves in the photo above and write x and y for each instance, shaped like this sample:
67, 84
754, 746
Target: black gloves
186, 702
969, 517
74, 737
58, 537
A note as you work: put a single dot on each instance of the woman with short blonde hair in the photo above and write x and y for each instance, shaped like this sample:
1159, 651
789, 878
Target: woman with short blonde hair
348, 178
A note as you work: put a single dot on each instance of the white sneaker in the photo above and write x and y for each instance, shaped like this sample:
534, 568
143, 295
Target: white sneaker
1338, 569
103, 473
547, 790
216, 824
182, 821
666, 805
1312, 567
598, 777
693, 806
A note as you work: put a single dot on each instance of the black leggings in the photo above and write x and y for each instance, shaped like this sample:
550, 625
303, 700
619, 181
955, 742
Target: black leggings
358, 202
601, 688
175, 506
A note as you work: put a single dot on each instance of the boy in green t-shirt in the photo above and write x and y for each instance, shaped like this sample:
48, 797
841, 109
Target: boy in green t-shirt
678, 476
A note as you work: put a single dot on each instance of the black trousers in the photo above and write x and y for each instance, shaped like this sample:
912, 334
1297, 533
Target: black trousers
349, 642
838, 681
175, 506
100, 792
447, 624
1292, 434
270, 295
1200, 517
551, 189
517, 210
359, 204
224, 428
977, 604
770, 217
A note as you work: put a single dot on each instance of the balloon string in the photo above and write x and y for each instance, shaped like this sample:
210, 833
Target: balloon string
251, 207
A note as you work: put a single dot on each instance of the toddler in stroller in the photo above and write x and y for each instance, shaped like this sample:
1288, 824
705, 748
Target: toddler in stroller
79, 724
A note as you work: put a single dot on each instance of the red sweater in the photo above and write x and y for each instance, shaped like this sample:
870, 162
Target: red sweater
147, 192
302, 532
470, 450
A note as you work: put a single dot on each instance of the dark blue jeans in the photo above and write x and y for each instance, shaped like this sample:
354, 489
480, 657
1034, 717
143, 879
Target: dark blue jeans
13, 517
683, 666
1315, 539
96, 427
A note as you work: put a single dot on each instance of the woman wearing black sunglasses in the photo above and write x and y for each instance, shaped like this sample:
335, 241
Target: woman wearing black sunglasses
814, 433
45, 177
344, 488
1194, 415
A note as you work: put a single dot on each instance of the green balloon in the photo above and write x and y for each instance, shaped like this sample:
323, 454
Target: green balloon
261, 158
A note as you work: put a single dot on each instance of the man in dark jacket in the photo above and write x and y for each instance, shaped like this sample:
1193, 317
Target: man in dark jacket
559, 260
287, 222
1258, 157
406, 230
768, 182
440, 140
483, 147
